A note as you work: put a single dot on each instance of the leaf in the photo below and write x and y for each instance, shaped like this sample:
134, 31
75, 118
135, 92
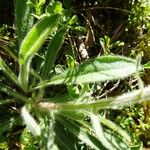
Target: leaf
30, 122
147, 65
104, 68
120, 132
102, 42
33, 42
7, 124
23, 19
13, 93
8, 72
41, 2
56, 7
99, 131
36, 36
115, 140
73, 20
82, 134
6, 101
63, 138
52, 51
112, 102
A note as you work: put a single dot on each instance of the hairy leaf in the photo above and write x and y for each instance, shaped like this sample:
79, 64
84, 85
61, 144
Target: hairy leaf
32, 43
52, 51
8, 72
104, 68
13, 93
99, 131
30, 122
23, 18
82, 134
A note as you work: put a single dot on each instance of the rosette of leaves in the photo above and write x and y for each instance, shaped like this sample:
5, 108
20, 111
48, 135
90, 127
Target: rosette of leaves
57, 106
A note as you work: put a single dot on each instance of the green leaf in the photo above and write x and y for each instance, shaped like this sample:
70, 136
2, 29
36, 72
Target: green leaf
63, 138
111, 102
27, 140
33, 42
99, 131
8, 72
73, 20
52, 51
115, 140
56, 7
147, 65
12, 92
23, 19
104, 68
30, 122
115, 128
41, 2
7, 124
82, 134
102, 42
6, 101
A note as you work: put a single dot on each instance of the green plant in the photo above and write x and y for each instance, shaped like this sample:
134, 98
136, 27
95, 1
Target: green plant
66, 119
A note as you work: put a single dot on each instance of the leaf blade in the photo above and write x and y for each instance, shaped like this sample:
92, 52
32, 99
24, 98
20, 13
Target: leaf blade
8, 72
104, 68
33, 42
52, 51
30, 122
99, 131
82, 134
37, 35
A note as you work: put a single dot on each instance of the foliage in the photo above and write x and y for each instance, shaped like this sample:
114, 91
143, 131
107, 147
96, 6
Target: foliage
54, 106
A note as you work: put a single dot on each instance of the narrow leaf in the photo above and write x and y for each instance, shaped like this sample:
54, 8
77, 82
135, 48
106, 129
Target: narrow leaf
8, 72
82, 134
32, 43
7, 123
99, 131
104, 68
6, 101
52, 51
37, 35
23, 18
64, 139
147, 65
12, 92
111, 125
112, 102
30, 122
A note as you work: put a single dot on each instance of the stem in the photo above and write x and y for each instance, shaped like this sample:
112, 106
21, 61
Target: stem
23, 76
